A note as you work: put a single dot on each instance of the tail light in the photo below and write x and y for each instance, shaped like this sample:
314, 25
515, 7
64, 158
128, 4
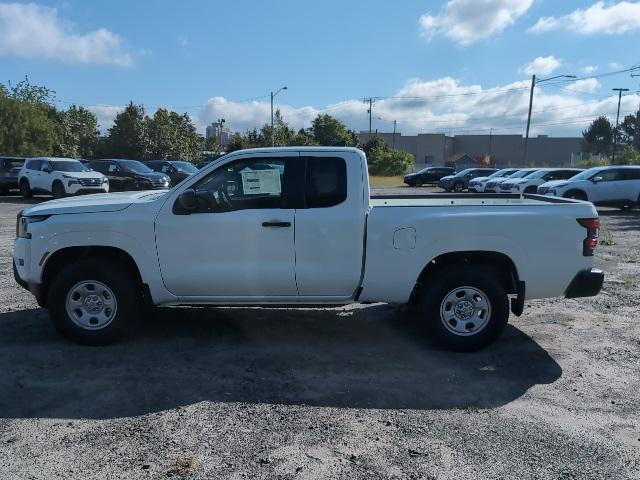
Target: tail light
590, 243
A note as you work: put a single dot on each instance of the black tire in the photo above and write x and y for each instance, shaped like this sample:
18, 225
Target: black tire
531, 190
128, 187
458, 187
575, 194
120, 280
418, 184
57, 189
434, 293
25, 189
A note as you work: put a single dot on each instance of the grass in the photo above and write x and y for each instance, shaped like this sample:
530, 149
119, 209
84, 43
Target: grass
386, 182
606, 237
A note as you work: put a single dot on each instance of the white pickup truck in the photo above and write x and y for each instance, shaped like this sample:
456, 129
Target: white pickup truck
289, 226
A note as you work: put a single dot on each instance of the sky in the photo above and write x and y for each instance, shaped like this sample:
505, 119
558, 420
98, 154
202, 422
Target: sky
456, 66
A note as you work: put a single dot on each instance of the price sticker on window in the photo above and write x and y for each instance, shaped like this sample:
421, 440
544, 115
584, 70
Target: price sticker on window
261, 182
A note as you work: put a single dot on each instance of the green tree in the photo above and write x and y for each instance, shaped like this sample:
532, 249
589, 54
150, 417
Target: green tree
79, 133
598, 138
29, 123
387, 163
170, 135
302, 139
330, 131
376, 142
127, 138
283, 134
629, 131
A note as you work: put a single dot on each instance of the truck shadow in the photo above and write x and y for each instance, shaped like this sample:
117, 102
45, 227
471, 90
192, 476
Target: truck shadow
368, 357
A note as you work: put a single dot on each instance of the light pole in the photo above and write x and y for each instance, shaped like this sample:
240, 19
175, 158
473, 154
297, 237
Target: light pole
535, 82
273, 137
615, 132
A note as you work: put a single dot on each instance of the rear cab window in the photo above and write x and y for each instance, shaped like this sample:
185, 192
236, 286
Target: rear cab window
326, 182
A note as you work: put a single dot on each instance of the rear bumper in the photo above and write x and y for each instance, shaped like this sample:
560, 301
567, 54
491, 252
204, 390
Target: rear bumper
586, 283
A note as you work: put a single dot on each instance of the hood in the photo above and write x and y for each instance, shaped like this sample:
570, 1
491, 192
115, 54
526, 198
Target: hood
91, 174
448, 177
480, 179
409, 175
100, 202
553, 183
151, 175
517, 181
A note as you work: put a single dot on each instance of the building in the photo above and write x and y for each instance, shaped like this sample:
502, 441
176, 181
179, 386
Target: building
217, 129
499, 150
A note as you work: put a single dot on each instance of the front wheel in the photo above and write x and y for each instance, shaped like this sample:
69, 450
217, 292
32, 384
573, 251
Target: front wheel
458, 187
25, 190
465, 309
57, 190
93, 301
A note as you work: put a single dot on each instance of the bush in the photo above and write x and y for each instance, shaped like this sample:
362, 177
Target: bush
387, 163
626, 156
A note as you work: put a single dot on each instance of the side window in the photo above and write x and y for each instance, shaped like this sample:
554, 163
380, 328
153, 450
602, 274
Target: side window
34, 165
565, 174
609, 175
46, 166
326, 182
165, 168
254, 183
631, 174
112, 168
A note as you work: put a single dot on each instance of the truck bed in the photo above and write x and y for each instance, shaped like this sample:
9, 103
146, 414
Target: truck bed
466, 199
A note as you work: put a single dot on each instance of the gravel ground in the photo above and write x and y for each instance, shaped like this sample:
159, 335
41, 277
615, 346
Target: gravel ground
353, 392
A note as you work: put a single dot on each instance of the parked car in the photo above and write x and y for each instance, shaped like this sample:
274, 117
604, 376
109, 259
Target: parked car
177, 170
304, 231
615, 186
493, 186
460, 181
59, 177
478, 184
126, 175
9, 172
531, 182
427, 175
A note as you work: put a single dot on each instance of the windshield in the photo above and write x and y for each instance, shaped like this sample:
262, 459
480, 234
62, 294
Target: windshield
184, 167
12, 163
134, 166
464, 172
501, 173
538, 174
522, 174
69, 166
586, 174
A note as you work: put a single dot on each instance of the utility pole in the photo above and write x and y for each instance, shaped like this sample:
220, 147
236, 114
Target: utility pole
490, 138
535, 82
273, 133
526, 136
615, 132
394, 136
371, 101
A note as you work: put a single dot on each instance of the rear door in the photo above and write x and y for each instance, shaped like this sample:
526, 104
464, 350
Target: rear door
330, 228
609, 188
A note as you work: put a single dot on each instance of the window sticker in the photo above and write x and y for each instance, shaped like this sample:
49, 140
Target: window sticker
263, 182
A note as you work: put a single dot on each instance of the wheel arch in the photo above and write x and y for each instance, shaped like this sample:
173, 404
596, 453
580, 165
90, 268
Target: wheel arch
576, 190
502, 265
59, 259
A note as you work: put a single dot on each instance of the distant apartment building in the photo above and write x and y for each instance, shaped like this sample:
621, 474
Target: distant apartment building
217, 129
500, 150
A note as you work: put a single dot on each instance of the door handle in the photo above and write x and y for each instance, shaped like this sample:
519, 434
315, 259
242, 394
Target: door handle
276, 224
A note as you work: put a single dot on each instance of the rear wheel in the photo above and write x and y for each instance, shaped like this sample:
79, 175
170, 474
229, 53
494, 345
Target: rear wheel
93, 301
418, 183
57, 190
465, 309
25, 189
531, 190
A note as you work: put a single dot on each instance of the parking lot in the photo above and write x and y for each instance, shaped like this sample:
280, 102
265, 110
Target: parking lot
351, 392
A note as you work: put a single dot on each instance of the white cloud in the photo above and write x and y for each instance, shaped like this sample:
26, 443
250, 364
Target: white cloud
589, 69
467, 21
587, 85
541, 66
34, 31
105, 114
615, 65
615, 18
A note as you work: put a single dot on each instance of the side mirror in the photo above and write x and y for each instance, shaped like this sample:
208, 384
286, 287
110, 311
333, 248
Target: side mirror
597, 179
47, 170
188, 200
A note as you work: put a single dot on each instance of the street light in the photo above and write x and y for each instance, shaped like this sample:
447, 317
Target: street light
535, 82
273, 138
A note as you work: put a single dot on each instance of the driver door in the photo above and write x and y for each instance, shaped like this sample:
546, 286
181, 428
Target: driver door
238, 244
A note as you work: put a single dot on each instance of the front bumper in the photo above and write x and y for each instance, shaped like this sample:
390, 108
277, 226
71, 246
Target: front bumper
34, 288
586, 283
476, 188
78, 189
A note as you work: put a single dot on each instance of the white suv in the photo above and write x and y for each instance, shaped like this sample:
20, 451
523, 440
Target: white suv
59, 177
615, 186
531, 182
479, 184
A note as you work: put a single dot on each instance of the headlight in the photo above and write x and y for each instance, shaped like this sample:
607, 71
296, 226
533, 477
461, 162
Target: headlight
71, 180
105, 180
22, 224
